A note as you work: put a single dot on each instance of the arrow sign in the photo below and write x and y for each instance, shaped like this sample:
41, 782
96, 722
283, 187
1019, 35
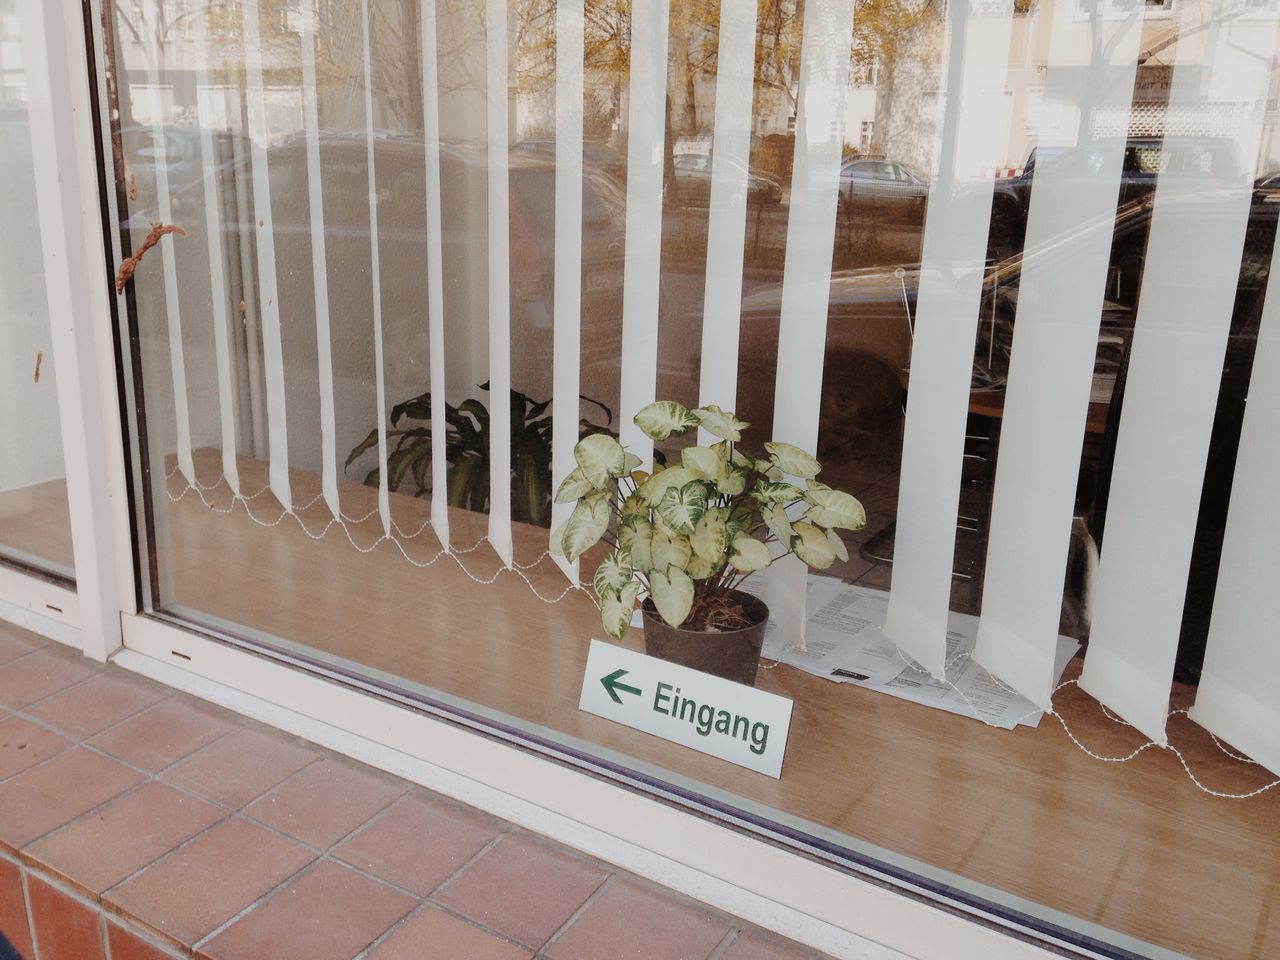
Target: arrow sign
731, 721
613, 683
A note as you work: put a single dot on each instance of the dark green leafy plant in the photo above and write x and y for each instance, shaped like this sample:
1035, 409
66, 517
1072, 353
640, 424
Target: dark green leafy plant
467, 452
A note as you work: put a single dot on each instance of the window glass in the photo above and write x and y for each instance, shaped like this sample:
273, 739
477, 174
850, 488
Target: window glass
426, 249
35, 526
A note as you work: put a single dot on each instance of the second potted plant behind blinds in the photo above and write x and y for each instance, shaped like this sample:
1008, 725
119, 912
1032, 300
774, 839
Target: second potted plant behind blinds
686, 535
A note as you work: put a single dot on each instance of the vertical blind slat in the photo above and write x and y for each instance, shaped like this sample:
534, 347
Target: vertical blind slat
219, 296
1059, 308
435, 273
268, 295
646, 142
826, 40
727, 227
1236, 699
1175, 363
973, 137
567, 289
375, 278
499, 285
173, 314
319, 264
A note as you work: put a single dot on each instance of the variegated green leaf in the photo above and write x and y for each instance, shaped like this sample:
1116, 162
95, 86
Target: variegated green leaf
574, 486
720, 422
709, 537
775, 518
636, 537
600, 457
616, 607
838, 545
792, 460
614, 572
672, 593
703, 461
557, 540
630, 462
732, 480
585, 526
834, 508
739, 521
749, 555
653, 489
700, 569
811, 545
633, 506
668, 551
681, 509
773, 491
665, 418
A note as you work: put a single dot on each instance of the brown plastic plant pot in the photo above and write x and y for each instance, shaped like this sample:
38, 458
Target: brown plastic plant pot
731, 654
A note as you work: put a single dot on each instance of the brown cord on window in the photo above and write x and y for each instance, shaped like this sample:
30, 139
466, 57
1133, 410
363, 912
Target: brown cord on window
130, 264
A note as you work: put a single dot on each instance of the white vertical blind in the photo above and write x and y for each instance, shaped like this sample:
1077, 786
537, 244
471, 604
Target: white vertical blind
974, 133
646, 143
375, 276
567, 283
826, 41
1059, 306
319, 263
1184, 315
727, 228
219, 292
435, 273
268, 296
1237, 695
173, 313
499, 285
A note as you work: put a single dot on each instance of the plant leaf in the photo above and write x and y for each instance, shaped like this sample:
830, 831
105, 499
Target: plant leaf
585, 526
812, 546
575, 486
672, 593
682, 508
709, 538
634, 506
600, 457
700, 569
838, 545
616, 607
775, 518
668, 551
703, 461
792, 460
665, 418
655, 488
773, 491
749, 555
557, 540
636, 537
720, 422
732, 480
613, 574
834, 508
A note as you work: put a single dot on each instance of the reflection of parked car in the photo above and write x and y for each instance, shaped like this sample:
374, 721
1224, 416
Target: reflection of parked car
693, 182
1145, 158
595, 154
882, 183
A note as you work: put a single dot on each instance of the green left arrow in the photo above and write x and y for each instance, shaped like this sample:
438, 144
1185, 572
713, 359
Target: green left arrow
613, 683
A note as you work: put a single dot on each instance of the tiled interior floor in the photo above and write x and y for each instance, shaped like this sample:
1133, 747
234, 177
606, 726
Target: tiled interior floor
138, 823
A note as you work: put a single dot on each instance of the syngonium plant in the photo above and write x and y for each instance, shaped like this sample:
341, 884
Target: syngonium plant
687, 533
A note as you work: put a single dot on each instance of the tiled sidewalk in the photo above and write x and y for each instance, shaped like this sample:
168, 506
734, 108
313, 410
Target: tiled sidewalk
138, 823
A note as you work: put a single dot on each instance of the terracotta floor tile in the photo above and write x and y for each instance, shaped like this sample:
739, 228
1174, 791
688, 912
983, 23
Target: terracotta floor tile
40, 673
633, 922
752, 947
57, 791
24, 744
13, 909
241, 767
417, 844
329, 913
101, 848
15, 642
65, 928
325, 802
522, 889
432, 934
187, 893
163, 734
98, 703
126, 945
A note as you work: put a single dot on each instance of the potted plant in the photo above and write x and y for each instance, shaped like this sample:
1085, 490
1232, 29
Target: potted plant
686, 534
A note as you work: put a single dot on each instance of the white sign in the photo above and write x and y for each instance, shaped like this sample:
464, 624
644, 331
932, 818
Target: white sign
728, 720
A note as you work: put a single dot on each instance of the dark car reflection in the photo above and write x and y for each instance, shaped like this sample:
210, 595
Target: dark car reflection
693, 182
